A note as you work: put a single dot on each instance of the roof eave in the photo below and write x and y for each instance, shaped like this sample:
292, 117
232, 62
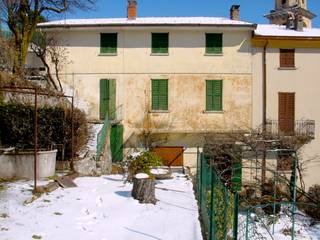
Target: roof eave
270, 37
68, 26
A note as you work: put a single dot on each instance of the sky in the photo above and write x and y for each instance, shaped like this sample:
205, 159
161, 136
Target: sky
251, 10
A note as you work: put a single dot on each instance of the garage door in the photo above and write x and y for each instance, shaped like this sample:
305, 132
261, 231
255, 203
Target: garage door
171, 156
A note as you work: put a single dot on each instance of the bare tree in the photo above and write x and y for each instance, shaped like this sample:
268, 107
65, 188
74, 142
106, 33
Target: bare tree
249, 146
6, 52
52, 54
22, 17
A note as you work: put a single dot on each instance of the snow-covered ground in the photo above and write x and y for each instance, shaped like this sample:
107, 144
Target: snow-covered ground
282, 228
100, 208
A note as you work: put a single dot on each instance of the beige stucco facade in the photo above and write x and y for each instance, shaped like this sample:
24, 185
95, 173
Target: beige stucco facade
186, 67
301, 80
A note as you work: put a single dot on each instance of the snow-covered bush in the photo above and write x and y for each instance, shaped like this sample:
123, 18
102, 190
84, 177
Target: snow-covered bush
142, 163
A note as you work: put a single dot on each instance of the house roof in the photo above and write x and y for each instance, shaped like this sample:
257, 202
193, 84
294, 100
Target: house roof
146, 21
271, 30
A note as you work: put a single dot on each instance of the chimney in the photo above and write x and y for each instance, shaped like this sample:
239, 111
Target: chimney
132, 9
235, 12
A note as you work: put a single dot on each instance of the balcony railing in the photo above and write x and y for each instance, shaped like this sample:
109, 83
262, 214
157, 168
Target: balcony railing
304, 128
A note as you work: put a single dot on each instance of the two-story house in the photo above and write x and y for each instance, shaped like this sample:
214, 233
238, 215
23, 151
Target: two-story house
285, 79
163, 82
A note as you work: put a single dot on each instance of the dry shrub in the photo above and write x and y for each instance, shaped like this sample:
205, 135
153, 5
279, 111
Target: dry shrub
313, 202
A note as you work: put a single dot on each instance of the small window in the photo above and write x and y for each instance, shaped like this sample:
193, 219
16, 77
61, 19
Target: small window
287, 58
108, 43
159, 94
160, 43
214, 95
213, 43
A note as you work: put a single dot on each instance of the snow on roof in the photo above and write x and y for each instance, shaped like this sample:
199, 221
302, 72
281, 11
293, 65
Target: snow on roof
281, 31
145, 21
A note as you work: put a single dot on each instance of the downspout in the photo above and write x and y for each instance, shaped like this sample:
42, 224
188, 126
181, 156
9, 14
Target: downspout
264, 109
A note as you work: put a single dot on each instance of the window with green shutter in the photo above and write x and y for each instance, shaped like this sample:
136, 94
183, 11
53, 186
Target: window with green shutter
214, 95
159, 94
213, 43
160, 43
108, 43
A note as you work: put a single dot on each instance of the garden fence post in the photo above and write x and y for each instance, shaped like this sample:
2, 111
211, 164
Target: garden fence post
212, 203
236, 213
294, 172
247, 225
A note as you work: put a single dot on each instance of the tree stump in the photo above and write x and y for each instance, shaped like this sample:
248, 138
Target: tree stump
143, 188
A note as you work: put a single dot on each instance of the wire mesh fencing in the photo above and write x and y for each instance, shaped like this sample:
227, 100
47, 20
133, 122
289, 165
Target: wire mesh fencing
227, 214
218, 205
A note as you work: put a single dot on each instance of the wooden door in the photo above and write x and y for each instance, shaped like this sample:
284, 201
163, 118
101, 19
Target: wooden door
286, 112
116, 143
171, 156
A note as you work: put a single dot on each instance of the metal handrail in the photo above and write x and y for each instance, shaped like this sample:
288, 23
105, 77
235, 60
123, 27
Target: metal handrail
301, 127
110, 118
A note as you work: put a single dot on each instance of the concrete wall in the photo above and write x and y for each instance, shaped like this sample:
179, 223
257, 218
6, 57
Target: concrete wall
304, 81
186, 68
21, 165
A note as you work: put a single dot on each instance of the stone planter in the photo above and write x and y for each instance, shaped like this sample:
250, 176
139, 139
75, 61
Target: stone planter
21, 165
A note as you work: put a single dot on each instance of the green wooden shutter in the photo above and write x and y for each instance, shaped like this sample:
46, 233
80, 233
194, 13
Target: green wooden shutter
213, 43
209, 95
108, 98
163, 94
217, 95
116, 143
159, 94
160, 42
104, 97
112, 101
214, 95
108, 42
154, 95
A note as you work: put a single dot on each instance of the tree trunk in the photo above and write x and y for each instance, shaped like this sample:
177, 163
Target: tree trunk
144, 190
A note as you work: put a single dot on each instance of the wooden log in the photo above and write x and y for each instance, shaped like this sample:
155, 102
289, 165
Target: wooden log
144, 189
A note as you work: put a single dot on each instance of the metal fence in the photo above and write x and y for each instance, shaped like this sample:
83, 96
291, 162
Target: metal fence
112, 118
227, 215
302, 127
102, 137
218, 204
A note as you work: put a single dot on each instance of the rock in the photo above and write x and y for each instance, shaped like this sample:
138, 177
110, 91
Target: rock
86, 166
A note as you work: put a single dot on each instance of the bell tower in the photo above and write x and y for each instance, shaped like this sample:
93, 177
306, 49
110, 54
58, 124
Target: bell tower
291, 12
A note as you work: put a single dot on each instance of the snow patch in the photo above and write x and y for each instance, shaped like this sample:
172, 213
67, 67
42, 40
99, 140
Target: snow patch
108, 212
277, 30
158, 171
141, 176
146, 20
